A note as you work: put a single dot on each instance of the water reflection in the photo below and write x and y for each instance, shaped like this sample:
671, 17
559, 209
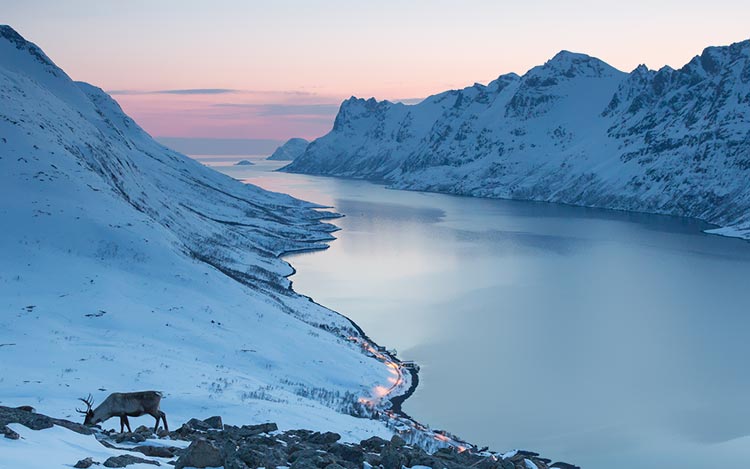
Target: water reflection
611, 339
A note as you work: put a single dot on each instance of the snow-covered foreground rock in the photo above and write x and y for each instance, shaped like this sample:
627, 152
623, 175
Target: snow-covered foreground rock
127, 266
574, 130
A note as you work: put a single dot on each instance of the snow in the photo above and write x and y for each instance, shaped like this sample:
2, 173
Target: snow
57, 447
290, 150
574, 130
128, 266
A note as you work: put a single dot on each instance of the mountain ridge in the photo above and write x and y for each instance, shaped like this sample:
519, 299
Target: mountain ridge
573, 130
127, 265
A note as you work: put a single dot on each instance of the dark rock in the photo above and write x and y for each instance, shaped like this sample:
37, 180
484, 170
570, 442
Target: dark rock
348, 453
417, 457
234, 462
302, 454
525, 454
564, 465
128, 437
304, 464
9, 432
262, 439
36, 421
334, 466
373, 444
246, 431
397, 441
199, 425
200, 454
310, 458
325, 439
214, 422
85, 463
156, 451
507, 464
259, 455
26, 408
391, 458
372, 459
145, 431
252, 430
446, 453
126, 460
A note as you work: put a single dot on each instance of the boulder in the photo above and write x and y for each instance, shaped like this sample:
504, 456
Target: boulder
352, 454
323, 439
9, 432
126, 460
391, 458
85, 463
128, 437
214, 422
200, 453
246, 431
156, 451
564, 465
200, 425
36, 421
397, 441
374, 444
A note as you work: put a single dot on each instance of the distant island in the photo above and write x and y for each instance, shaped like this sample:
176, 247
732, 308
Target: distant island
244, 163
293, 148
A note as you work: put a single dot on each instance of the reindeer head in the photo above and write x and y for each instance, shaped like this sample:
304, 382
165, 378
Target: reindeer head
89, 413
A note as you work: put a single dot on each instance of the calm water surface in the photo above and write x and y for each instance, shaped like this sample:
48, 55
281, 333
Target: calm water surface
608, 339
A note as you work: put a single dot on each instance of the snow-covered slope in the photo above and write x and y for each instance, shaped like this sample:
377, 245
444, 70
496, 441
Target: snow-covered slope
289, 150
128, 266
573, 130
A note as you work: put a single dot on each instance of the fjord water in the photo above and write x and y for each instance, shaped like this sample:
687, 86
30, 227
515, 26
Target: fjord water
609, 339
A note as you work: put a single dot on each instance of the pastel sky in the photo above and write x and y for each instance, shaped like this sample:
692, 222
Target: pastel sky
277, 69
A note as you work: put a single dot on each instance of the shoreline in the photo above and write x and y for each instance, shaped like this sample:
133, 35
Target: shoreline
396, 401
394, 416
712, 230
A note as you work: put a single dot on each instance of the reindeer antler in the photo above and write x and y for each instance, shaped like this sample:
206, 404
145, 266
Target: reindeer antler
89, 401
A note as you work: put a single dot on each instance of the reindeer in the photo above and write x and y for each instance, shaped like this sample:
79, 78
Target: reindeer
124, 405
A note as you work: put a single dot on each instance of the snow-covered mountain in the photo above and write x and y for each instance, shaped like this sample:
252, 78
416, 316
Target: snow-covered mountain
290, 150
127, 266
573, 130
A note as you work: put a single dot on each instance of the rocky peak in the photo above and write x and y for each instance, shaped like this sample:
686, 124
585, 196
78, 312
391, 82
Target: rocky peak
355, 108
570, 65
10, 35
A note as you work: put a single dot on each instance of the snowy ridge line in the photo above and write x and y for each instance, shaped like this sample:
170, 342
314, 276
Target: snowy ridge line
128, 266
120, 274
573, 130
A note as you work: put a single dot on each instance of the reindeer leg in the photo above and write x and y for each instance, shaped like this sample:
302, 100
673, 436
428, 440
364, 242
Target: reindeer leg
164, 419
127, 422
122, 424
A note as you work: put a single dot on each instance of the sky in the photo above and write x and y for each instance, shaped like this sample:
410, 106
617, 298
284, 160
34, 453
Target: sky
233, 69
